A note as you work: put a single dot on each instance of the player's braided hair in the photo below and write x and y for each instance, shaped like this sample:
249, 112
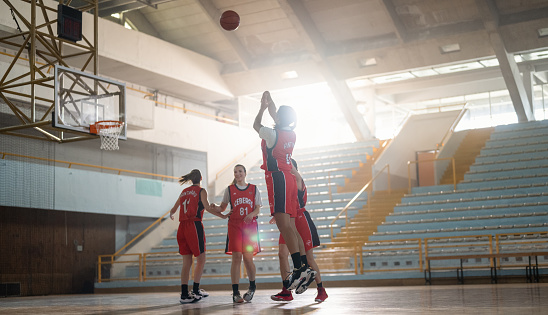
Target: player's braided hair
194, 176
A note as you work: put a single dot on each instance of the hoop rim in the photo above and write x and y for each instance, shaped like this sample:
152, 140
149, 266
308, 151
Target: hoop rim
104, 124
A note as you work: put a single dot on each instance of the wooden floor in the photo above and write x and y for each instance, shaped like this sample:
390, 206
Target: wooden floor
438, 299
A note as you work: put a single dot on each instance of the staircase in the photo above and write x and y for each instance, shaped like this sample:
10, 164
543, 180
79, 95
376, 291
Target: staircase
466, 154
360, 227
364, 173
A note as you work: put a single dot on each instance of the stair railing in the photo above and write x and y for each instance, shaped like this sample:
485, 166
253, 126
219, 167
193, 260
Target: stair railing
451, 129
432, 160
366, 186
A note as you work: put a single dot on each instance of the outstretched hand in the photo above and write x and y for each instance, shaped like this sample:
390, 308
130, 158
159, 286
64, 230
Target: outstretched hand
266, 100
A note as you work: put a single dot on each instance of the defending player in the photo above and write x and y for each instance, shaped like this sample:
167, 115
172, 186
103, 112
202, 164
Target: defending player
277, 146
309, 234
243, 232
190, 235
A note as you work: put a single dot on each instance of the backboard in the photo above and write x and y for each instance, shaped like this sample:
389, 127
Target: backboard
81, 99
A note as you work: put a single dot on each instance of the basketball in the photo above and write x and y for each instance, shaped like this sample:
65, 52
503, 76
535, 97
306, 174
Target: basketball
230, 20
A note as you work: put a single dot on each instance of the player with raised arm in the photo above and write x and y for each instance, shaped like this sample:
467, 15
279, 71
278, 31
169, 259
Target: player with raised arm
277, 146
190, 236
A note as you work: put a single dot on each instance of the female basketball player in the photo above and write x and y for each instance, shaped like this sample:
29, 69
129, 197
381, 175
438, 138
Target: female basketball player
243, 237
277, 146
309, 234
190, 235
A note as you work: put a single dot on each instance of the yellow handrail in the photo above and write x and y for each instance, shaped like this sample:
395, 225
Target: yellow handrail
452, 128
70, 164
432, 160
139, 235
241, 156
111, 261
345, 209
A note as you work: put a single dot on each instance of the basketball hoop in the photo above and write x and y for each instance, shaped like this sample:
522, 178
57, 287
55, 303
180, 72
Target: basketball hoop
108, 131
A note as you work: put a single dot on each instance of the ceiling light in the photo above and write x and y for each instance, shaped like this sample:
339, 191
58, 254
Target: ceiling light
290, 75
115, 15
542, 32
423, 73
490, 62
367, 62
445, 49
393, 78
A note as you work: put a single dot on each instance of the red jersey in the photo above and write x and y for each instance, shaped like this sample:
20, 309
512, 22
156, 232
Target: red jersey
278, 158
191, 204
242, 201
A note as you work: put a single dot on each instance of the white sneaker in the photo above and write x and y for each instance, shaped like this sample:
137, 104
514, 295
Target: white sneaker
190, 298
300, 289
202, 293
249, 295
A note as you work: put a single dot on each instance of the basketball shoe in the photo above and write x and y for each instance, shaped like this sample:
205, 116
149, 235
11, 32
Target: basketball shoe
201, 293
298, 277
284, 295
237, 298
301, 288
189, 298
322, 295
249, 294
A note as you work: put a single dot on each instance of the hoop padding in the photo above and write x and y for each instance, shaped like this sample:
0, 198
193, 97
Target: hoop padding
109, 131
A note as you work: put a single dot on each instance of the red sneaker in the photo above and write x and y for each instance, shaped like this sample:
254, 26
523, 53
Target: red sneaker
284, 295
322, 295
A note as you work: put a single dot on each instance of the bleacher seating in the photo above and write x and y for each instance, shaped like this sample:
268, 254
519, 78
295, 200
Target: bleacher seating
505, 192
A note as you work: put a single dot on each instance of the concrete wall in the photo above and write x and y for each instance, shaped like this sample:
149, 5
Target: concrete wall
419, 133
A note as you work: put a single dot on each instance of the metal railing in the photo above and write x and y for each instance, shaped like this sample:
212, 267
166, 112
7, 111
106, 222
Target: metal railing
431, 160
112, 260
70, 164
451, 129
382, 247
366, 186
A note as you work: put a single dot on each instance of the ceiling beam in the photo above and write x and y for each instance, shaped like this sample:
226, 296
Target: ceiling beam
301, 19
510, 71
401, 31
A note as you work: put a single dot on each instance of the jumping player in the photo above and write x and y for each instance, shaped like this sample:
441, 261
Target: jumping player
243, 237
309, 234
190, 235
277, 146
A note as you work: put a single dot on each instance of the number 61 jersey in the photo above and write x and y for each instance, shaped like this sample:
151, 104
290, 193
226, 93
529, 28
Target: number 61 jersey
192, 208
242, 201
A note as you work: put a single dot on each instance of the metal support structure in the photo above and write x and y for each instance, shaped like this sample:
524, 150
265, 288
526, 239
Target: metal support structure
33, 106
508, 66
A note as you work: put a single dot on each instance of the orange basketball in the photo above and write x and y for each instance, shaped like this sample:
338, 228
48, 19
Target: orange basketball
230, 20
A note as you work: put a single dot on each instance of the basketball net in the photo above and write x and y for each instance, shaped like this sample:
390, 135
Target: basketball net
109, 131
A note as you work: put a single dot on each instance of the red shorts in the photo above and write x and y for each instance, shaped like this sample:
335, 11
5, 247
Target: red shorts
282, 193
191, 238
307, 229
242, 237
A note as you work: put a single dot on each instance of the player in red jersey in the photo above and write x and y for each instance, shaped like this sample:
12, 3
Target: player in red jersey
309, 234
243, 231
277, 147
190, 235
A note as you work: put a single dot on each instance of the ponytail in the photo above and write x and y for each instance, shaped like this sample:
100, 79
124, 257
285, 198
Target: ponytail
194, 176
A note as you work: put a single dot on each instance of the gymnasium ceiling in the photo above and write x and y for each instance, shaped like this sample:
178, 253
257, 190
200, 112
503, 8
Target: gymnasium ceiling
358, 42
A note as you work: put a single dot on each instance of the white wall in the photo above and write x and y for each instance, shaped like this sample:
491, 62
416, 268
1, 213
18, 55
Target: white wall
222, 142
420, 133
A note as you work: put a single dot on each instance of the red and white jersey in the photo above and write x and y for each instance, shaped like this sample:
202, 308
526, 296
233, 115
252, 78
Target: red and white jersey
242, 201
278, 158
191, 204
